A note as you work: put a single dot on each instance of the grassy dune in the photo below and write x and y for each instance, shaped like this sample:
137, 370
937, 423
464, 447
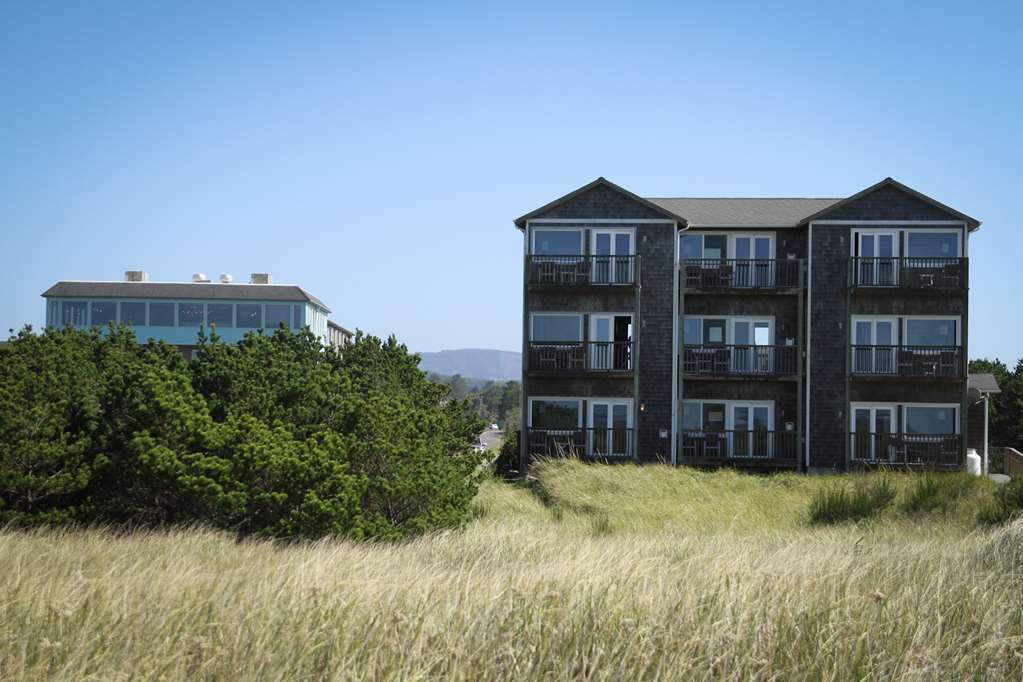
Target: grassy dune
594, 573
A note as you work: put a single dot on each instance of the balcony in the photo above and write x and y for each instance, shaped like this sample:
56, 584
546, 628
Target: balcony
912, 273
906, 450
596, 443
740, 361
907, 362
738, 274
582, 271
574, 357
774, 448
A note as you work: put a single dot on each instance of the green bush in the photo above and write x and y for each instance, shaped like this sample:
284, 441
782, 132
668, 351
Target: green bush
840, 503
276, 435
940, 492
1006, 504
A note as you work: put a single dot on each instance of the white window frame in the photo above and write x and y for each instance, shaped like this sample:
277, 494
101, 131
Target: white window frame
733, 236
940, 318
533, 315
730, 321
955, 420
935, 230
549, 398
591, 425
895, 415
556, 228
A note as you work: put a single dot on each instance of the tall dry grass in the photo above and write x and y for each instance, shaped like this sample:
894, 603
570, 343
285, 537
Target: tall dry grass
618, 573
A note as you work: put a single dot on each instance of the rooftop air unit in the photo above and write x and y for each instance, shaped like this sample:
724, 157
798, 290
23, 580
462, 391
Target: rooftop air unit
226, 279
260, 278
200, 278
136, 276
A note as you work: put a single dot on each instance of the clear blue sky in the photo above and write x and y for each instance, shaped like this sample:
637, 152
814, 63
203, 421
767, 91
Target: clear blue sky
377, 154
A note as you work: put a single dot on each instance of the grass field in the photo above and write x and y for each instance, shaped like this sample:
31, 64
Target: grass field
595, 572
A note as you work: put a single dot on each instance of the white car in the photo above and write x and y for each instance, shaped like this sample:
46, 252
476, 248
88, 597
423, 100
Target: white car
494, 427
478, 446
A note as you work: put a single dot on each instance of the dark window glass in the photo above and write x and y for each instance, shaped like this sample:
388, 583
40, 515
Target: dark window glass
133, 313
296, 315
190, 314
557, 242
930, 420
73, 313
250, 315
933, 244
714, 416
556, 328
692, 246
691, 415
103, 312
220, 314
715, 246
930, 332
161, 314
276, 315
555, 414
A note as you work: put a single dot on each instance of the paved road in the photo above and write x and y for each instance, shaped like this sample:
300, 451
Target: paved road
492, 438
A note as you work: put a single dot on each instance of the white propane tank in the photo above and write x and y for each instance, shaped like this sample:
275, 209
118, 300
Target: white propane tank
973, 462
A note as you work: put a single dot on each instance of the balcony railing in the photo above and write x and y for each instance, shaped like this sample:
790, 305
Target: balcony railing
942, 362
574, 356
575, 271
908, 273
740, 360
739, 273
598, 442
917, 449
738, 445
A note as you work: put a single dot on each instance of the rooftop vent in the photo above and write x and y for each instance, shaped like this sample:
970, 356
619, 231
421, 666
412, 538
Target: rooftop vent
226, 279
199, 278
260, 278
136, 276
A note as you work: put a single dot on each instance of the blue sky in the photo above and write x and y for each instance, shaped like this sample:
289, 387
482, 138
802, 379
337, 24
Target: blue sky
376, 154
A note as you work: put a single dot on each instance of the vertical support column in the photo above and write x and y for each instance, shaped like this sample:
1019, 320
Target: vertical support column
524, 397
637, 323
801, 341
965, 361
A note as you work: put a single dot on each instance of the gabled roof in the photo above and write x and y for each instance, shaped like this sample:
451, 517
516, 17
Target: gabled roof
743, 212
186, 290
972, 223
667, 213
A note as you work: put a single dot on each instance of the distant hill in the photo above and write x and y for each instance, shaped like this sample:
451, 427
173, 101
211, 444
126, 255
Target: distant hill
478, 363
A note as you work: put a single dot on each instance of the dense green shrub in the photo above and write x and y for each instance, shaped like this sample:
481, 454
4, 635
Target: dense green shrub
841, 503
1006, 504
275, 435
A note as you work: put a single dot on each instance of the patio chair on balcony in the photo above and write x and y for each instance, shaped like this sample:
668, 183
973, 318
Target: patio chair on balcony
548, 358
951, 275
583, 271
722, 361
546, 272
949, 363
694, 274
577, 358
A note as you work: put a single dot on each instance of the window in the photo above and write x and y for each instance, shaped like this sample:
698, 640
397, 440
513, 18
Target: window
931, 333
161, 314
932, 244
555, 414
53, 314
73, 313
610, 424
103, 312
220, 314
931, 420
276, 315
190, 314
873, 346
715, 246
557, 242
692, 246
296, 317
692, 331
691, 420
250, 315
133, 313
557, 328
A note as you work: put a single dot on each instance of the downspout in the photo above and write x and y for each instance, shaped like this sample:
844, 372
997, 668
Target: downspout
676, 318
987, 398
809, 327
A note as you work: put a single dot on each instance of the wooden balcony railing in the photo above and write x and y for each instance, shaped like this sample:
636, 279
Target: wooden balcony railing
908, 273
737, 445
916, 449
585, 271
739, 273
575, 356
597, 442
941, 362
737, 360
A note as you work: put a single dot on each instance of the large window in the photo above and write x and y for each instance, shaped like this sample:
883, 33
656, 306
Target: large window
276, 315
931, 420
557, 328
133, 313
296, 317
709, 246
220, 314
557, 242
103, 312
161, 314
190, 314
250, 315
932, 244
73, 313
555, 414
931, 333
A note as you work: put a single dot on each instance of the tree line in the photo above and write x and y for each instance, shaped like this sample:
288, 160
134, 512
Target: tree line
276, 435
1006, 408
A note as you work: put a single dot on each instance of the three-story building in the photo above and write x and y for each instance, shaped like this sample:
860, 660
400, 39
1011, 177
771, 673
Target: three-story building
768, 333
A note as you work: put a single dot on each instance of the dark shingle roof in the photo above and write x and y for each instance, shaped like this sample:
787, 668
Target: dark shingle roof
188, 290
984, 382
743, 212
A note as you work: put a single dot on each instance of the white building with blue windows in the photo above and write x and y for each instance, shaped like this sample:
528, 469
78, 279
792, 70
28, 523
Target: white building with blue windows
174, 311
